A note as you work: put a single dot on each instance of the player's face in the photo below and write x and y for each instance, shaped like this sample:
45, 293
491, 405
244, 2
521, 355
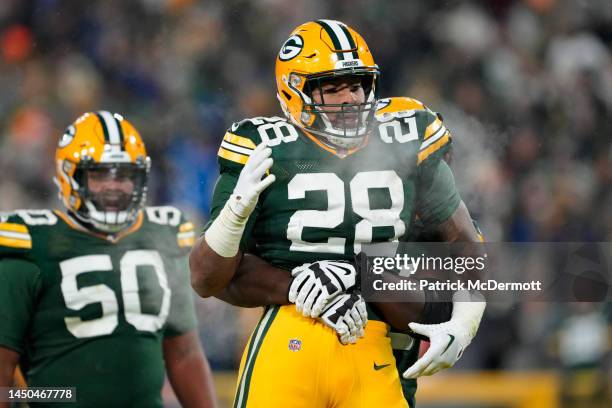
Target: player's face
111, 188
340, 91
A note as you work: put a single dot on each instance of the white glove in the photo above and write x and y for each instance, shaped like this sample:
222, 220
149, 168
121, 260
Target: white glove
224, 234
347, 315
314, 284
250, 183
447, 340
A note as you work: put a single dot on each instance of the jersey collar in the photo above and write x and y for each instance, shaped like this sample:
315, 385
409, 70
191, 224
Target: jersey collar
112, 238
340, 153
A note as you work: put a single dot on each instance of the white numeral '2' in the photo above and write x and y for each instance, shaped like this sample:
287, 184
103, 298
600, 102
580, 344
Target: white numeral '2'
330, 218
76, 298
334, 215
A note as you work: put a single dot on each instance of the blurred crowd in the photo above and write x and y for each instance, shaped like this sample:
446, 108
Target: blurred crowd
524, 85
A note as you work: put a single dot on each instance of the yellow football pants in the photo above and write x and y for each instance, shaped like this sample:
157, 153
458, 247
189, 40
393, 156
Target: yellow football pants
296, 362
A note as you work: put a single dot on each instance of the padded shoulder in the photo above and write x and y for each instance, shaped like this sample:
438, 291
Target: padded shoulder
17, 227
398, 104
404, 119
174, 222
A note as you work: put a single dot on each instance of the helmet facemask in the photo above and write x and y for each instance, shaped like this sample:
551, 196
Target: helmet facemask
339, 125
111, 193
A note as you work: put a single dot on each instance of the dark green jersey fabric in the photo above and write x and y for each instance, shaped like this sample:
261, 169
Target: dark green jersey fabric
89, 313
323, 206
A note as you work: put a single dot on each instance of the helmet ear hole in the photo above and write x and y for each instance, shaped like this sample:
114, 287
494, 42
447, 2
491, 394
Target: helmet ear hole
79, 176
308, 88
368, 84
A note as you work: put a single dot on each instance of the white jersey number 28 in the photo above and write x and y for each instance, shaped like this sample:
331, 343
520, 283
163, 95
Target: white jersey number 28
333, 216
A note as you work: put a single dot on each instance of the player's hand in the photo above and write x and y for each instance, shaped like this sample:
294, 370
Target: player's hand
250, 183
447, 340
314, 284
347, 315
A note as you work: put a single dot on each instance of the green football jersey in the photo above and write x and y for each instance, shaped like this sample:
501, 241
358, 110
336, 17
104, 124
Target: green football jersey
326, 204
89, 311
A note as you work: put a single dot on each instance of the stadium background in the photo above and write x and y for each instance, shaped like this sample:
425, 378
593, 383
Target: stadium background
525, 86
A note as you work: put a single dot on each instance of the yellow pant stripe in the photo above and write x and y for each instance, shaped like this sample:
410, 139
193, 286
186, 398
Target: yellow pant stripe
242, 392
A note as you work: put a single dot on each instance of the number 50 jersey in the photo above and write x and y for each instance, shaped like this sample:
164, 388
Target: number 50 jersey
89, 311
326, 204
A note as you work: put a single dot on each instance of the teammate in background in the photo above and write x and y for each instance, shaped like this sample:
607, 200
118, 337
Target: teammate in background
97, 296
303, 194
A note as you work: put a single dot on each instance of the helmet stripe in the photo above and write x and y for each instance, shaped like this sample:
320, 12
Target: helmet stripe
339, 38
121, 137
104, 128
351, 41
112, 129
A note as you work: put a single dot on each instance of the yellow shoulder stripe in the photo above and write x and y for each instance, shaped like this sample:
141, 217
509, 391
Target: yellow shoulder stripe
425, 153
15, 242
239, 140
186, 243
187, 226
433, 128
185, 239
232, 156
15, 235
9, 226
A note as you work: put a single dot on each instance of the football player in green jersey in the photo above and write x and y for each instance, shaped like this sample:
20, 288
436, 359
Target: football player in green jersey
303, 194
97, 296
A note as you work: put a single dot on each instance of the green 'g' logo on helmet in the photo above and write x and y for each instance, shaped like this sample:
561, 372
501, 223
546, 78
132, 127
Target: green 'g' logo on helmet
291, 48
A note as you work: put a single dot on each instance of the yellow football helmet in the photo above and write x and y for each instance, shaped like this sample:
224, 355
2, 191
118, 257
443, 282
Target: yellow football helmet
101, 171
320, 51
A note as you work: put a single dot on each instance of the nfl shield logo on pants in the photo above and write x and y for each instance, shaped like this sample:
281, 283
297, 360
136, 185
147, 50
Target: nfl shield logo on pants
295, 344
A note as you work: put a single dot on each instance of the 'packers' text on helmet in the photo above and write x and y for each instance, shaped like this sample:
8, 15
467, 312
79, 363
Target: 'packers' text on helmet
101, 170
316, 53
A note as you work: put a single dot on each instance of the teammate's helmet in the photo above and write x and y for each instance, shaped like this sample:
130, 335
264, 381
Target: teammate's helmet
315, 52
104, 148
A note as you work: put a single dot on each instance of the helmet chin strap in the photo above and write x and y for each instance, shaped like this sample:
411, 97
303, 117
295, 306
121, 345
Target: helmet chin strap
344, 138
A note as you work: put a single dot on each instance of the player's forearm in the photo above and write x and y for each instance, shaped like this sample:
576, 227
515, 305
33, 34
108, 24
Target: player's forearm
257, 283
8, 363
424, 306
210, 272
432, 307
459, 228
188, 371
400, 314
